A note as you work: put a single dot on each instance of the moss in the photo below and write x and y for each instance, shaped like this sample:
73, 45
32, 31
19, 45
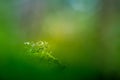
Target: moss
40, 51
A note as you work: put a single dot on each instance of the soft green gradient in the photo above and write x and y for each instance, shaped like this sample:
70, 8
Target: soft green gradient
83, 34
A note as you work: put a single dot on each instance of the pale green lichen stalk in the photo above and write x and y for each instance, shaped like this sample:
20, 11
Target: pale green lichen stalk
40, 49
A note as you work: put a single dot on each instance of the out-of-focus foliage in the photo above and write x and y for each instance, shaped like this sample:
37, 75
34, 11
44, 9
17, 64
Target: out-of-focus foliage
83, 34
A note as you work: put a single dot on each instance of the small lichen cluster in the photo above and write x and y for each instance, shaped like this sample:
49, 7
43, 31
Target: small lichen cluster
40, 50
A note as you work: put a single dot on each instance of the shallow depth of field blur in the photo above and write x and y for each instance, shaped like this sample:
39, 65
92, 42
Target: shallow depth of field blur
84, 35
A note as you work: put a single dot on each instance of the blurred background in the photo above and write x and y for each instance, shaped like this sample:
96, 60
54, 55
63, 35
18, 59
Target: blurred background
83, 34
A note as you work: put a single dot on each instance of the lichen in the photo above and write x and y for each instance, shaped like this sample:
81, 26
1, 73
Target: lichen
41, 51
